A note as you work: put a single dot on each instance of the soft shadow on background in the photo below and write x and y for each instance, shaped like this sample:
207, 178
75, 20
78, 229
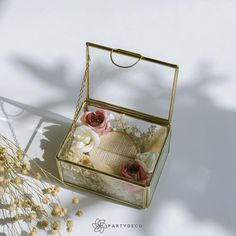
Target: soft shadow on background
42, 130
200, 172
47, 135
3, 5
50, 128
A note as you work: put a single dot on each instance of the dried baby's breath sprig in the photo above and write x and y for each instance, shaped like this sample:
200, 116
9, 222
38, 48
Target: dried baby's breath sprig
69, 225
19, 203
3, 155
122, 123
5, 181
47, 190
19, 154
1, 180
33, 231
38, 176
12, 207
17, 180
2, 190
57, 189
79, 213
64, 211
56, 225
38, 209
2, 169
56, 210
75, 200
42, 224
25, 168
54, 193
45, 201
28, 203
26, 197
16, 218
32, 216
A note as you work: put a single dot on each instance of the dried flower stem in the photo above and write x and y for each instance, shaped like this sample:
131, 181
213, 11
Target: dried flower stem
26, 199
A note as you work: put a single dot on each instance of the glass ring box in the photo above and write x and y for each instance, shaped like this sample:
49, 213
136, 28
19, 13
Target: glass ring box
119, 138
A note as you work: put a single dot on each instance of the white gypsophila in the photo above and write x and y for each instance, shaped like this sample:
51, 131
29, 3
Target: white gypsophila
148, 159
85, 139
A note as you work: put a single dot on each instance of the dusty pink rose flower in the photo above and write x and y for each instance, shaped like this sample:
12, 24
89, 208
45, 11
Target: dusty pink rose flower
135, 171
97, 120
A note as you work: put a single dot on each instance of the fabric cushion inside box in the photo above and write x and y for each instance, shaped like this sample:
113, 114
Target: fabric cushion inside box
114, 149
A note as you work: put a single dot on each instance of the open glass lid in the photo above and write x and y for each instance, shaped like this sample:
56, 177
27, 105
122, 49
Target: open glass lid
130, 80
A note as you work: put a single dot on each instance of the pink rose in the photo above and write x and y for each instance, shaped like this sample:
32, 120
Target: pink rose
135, 171
97, 120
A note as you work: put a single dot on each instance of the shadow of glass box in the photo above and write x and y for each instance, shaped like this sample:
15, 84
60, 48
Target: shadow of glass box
37, 132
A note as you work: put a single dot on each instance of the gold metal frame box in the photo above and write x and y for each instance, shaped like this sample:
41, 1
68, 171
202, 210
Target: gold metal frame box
119, 138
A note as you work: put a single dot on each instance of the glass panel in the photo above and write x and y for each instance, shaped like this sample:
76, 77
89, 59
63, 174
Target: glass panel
103, 184
38, 133
160, 165
122, 141
145, 87
119, 140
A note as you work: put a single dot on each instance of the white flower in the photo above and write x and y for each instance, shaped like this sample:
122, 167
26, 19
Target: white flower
85, 139
148, 159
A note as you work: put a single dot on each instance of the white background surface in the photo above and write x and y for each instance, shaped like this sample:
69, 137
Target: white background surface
41, 64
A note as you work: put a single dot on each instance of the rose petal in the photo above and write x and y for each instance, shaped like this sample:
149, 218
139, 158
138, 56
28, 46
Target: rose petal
97, 120
133, 170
